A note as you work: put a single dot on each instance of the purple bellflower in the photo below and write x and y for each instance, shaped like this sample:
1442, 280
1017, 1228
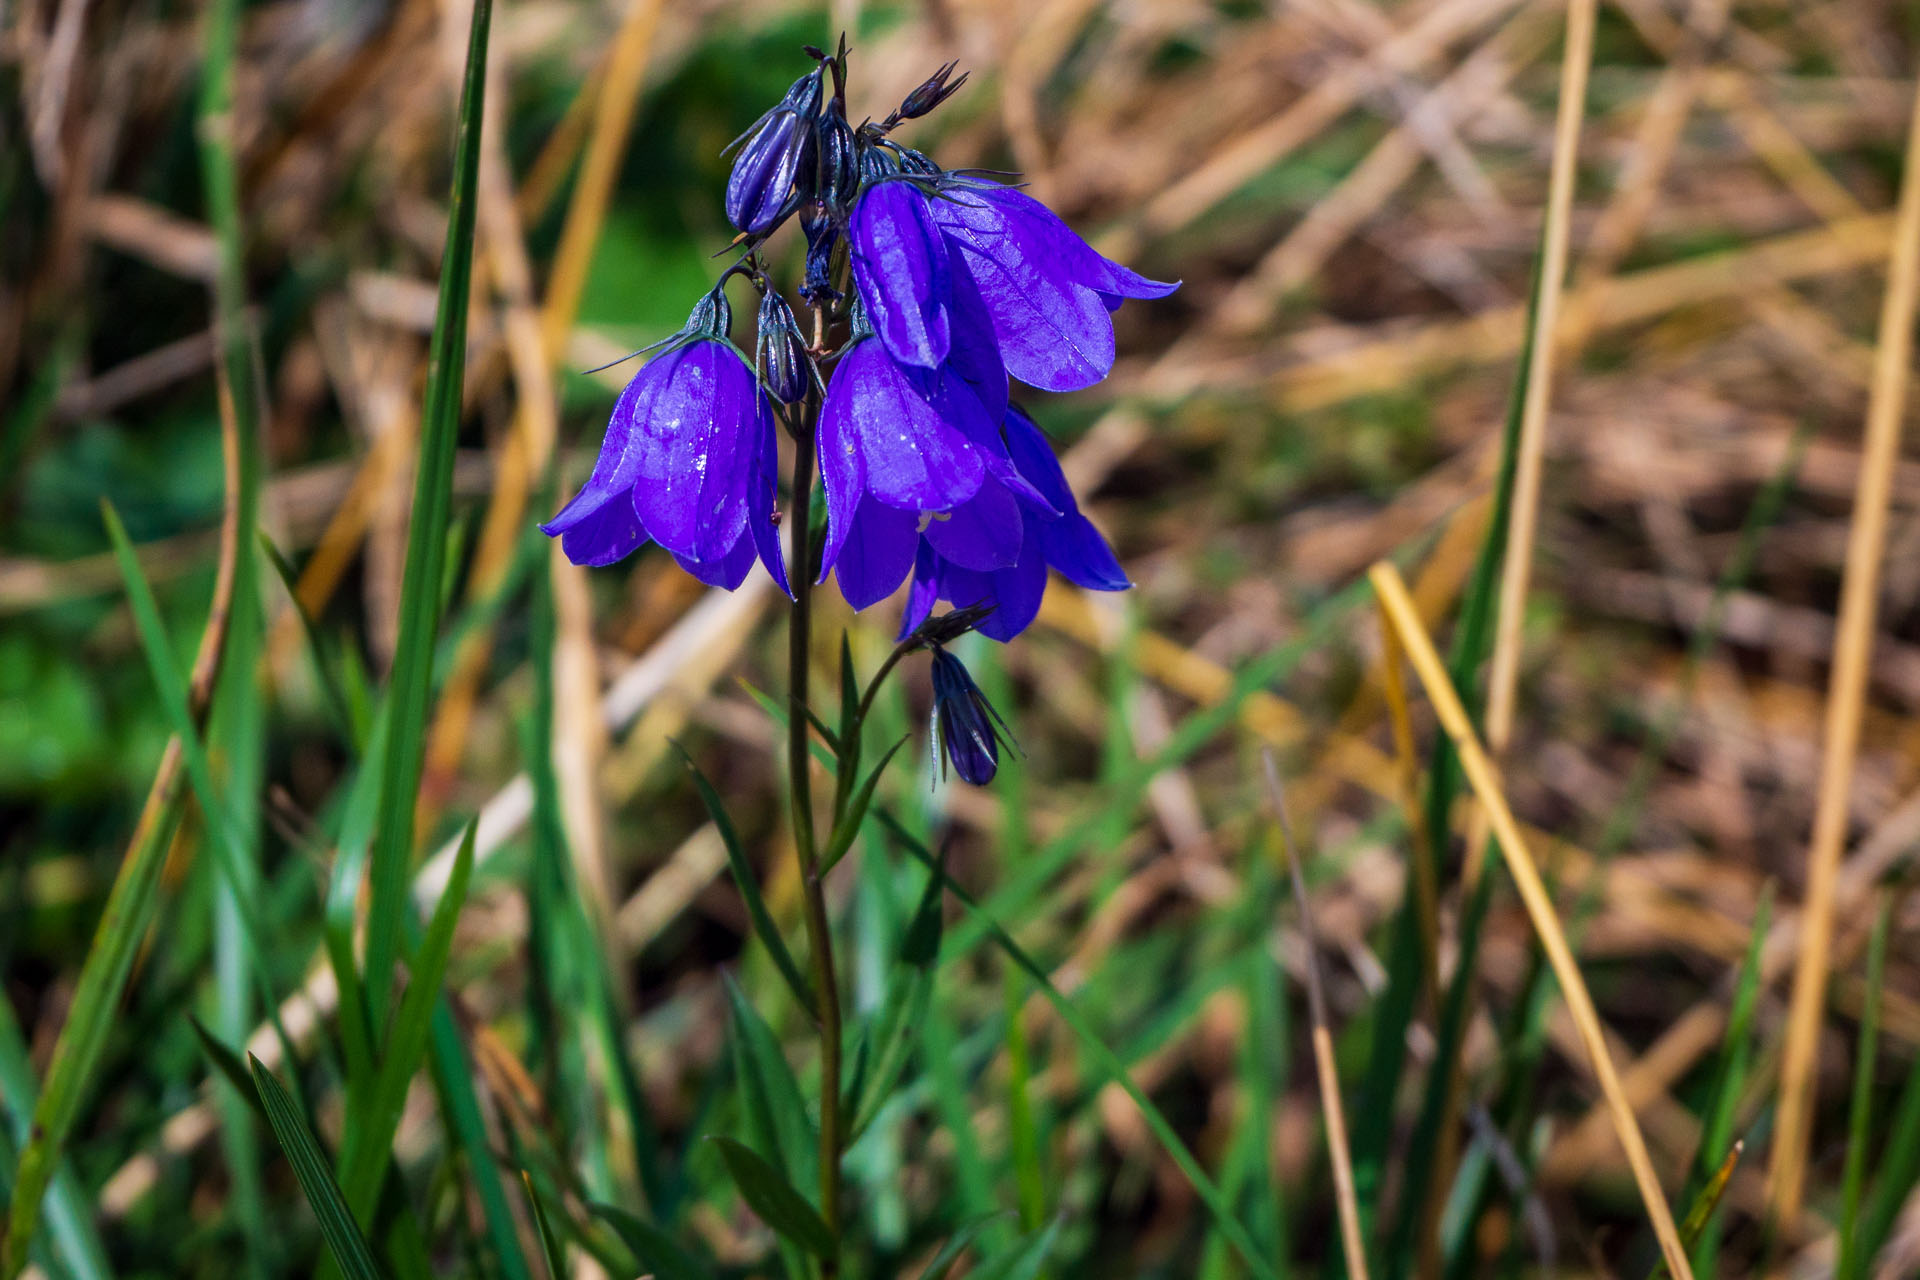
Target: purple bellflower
689, 462
995, 550
959, 285
964, 724
1050, 294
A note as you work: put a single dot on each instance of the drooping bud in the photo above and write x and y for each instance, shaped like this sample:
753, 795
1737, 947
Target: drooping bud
965, 725
935, 91
781, 353
778, 155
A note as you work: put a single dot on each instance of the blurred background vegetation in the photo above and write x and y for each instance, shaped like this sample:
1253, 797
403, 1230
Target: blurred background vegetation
1353, 193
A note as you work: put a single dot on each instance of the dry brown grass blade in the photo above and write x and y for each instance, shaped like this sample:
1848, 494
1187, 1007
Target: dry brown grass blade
1517, 568
1478, 767
1323, 1061
1846, 691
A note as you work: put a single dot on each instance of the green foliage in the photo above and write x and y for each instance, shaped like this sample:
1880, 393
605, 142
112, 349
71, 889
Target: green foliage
343, 1236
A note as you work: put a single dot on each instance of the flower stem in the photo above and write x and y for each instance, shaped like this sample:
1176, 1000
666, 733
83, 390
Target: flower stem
819, 932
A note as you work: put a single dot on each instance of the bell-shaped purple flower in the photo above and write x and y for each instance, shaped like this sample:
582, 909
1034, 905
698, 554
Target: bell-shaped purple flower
900, 268
969, 559
1049, 292
899, 437
689, 461
777, 152
967, 731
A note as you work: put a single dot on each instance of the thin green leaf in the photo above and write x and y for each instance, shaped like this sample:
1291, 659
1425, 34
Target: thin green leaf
749, 887
468, 1131
1024, 1263
343, 1236
772, 1197
902, 1012
1729, 1082
1108, 1062
71, 1240
944, 1261
778, 1116
849, 825
426, 561
555, 1255
331, 690
849, 695
1860, 1109
228, 1064
656, 1251
374, 1117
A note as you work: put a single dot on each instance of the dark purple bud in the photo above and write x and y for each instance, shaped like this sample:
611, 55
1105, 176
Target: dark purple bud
838, 177
785, 367
777, 155
931, 94
823, 238
967, 727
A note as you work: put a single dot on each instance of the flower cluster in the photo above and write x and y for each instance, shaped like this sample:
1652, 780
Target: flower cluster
930, 291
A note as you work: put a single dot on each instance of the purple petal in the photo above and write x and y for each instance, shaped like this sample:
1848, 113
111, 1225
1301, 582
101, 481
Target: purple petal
608, 532
914, 429
695, 446
1053, 333
1084, 558
982, 533
900, 268
1087, 265
879, 551
924, 591
1015, 591
843, 478
727, 571
619, 460
763, 504
1032, 456
975, 354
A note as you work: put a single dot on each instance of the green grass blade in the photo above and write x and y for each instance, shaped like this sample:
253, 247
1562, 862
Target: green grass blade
461, 1107
749, 886
769, 1194
1393, 1011
777, 1118
332, 691
658, 1253
1016, 898
349, 1246
848, 827
71, 1236
374, 1117
944, 1261
1108, 1062
555, 1255
96, 1005
426, 560
1024, 1262
1860, 1109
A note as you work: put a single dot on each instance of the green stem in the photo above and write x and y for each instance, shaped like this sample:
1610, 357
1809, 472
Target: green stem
819, 932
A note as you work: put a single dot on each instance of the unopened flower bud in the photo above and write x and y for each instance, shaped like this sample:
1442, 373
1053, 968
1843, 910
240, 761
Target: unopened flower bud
777, 155
931, 94
785, 367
